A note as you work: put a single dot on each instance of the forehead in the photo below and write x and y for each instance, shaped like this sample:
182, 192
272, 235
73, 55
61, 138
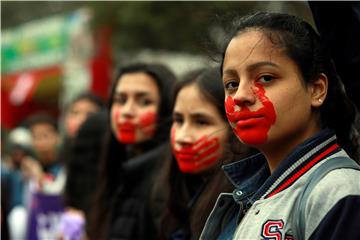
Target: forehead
190, 100
252, 46
42, 127
84, 103
137, 82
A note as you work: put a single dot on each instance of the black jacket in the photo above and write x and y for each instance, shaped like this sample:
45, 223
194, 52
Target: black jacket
132, 214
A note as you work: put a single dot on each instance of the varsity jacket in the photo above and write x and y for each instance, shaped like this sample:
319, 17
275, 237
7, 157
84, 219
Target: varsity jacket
333, 207
332, 211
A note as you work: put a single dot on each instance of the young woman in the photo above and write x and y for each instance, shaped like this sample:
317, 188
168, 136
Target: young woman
200, 141
79, 110
139, 110
82, 165
284, 98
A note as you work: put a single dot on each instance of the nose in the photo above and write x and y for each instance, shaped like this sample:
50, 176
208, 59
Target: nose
184, 136
244, 95
128, 109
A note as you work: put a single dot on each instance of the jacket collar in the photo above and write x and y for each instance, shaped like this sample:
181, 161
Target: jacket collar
247, 175
252, 174
298, 162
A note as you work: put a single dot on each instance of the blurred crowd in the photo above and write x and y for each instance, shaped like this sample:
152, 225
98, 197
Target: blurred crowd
36, 159
146, 163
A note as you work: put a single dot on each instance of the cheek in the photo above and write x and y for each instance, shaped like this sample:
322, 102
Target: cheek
147, 123
257, 132
268, 106
147, 119
230, 108
172, 136
115, 115
71, 126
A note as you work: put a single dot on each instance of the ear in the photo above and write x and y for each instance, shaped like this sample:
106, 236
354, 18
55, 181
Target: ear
318, 90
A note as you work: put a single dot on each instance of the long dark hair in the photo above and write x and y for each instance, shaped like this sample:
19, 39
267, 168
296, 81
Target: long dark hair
181, 212
83, 161
115, 154
303, 45
67, 142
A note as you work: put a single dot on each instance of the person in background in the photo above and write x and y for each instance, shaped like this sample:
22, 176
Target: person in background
82, 167
45, 141
14, 182
5, 191
19, 146
78, 111
284, 97
38, 172
200, 142
139, 110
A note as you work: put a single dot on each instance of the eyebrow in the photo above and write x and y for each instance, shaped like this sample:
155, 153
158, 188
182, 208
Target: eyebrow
251, 67
137, 94
194, 114
197, 115
261, 64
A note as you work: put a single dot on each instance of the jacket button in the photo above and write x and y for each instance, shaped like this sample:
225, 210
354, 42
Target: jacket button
238, 193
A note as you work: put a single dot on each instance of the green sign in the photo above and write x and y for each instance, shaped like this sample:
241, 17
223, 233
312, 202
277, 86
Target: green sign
36, 44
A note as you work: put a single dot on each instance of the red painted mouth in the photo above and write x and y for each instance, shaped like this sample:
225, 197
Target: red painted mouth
185, 156
126, 127
248, 122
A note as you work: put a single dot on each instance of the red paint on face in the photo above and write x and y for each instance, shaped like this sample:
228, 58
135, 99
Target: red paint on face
125, 130
252, 127
147, 123
194, 158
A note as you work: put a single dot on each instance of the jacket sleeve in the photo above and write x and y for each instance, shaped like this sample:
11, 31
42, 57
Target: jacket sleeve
333, 207
341, 222
339, 26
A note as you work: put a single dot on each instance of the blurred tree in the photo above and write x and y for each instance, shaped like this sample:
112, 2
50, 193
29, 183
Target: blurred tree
175, 25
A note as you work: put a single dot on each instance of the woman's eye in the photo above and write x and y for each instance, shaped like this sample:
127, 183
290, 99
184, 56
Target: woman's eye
144, 102
232, 85
178, 120
120, 100
266, 78
202, 122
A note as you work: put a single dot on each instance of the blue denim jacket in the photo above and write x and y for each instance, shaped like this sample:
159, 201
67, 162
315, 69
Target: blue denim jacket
247, 175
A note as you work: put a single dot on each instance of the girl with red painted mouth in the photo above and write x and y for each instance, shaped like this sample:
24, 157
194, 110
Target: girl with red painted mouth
134, 109
139, 110
284, 97
200, 138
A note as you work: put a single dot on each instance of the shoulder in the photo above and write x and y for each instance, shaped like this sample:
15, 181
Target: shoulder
333, 193
338, 183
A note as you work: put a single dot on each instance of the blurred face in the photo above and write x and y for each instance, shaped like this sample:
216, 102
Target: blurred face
134, 109
78, 112
198, 132
17, 155
267, 103
45, 141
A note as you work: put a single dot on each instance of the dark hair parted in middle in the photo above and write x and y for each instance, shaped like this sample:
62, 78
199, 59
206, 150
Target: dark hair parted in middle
190, 197
302, 44
111, 175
